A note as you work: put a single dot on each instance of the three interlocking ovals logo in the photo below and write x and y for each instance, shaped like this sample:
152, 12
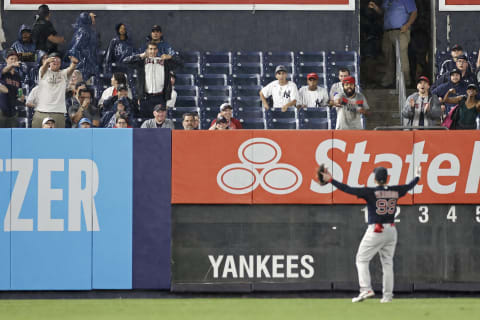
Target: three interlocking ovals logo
259, 166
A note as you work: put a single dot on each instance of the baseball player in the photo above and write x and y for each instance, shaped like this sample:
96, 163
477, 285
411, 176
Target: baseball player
381, 234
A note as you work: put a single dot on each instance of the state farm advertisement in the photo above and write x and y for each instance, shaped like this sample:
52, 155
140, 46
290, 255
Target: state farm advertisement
274, 167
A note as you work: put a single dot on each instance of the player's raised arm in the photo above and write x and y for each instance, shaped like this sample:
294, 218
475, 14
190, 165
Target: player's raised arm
324, 177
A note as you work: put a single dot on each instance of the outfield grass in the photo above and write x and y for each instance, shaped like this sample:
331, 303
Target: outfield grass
246, 308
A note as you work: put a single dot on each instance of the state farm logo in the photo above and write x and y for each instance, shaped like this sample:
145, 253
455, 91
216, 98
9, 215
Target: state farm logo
259, 166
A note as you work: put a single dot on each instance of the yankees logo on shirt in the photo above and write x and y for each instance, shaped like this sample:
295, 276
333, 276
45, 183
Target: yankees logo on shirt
281, 94
154, 75
313, 99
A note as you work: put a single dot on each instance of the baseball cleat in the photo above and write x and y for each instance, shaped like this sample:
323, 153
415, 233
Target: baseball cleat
363, 295
385, 300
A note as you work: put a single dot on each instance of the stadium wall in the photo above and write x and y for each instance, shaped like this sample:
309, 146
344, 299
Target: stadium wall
206, 30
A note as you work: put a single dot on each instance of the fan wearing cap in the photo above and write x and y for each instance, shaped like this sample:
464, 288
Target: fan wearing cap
311, 95
160, 119
450, 64
52, 87
43, 33
84, 123
226, 111
381, 234
85, 108
422, 108
154, 85
454, 82
350, 105
468, 108
337, 87
284, 93
48, 123
11, 77
24, 46
165, 50
221, 123
462, 68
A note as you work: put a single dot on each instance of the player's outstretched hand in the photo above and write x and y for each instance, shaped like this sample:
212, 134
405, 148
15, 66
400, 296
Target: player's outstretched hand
324, 176
418, 172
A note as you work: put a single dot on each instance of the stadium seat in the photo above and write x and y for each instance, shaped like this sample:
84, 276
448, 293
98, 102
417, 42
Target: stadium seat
212, 80
247, 102
245, 79
191, 68
184, 79
217, 57
217, 68
23, 122
342, 56
177, 112
245, 91
279, 114
279, 57
216, 91
213, 102
253, 123
267, 78
187, 91
241, 113
186, 102
308, 67
311, 56
248, 56
282, 123
248, 68
208, 115
440, 57
314, 113
22, 112
271, 66
178, 123
315, 123
191, 56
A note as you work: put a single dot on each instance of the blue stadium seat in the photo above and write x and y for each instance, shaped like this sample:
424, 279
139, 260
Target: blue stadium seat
270, 67
23, 122
282, 123
279, 114
308, 67
177, 112
184, 79
191, 68
208, 115
472, 59
217, 68
214, 102
440, 57
269, 77
279, 57
248, 68
191, 56
248, 56
245, 79
217, 57
216, 91
247, 102
315, 123
248, 113
311, 56
314, 113
212, 80
186, 102
301, 80
187, 91
342, 56
253, 123
22, 112
178, 123
244, 91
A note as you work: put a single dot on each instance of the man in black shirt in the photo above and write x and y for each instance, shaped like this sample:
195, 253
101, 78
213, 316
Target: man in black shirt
381, 234
43, 33
11, 78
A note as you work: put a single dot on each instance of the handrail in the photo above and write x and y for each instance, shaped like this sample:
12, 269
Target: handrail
400, 81
411, 128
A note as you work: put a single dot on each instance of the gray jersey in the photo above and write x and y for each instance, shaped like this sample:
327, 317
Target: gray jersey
348, 117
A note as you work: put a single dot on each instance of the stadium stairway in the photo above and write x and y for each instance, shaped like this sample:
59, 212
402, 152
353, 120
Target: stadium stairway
383, 108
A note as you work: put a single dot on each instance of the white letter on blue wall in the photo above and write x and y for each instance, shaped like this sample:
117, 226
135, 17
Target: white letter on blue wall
78, 197
12, 221
46, 194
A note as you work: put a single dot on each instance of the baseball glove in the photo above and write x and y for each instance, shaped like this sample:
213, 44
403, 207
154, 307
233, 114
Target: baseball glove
321, 170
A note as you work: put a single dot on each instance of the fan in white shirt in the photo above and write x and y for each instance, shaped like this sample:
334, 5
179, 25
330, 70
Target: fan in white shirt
283, 92
312, 96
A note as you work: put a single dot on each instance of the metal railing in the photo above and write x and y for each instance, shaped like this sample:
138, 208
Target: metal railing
400, 82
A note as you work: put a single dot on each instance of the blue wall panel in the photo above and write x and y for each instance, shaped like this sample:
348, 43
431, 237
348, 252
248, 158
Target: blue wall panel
112, 244
52, 254
5, 178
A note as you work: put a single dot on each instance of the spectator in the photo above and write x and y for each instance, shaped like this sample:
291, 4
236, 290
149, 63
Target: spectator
467, 75
32, 76
122, 95
84, 123
188, 121
455, 82
422, 108
226, 111
196, 119
53, 84
311, 95
173, 99
468, 108
84, 45
75, 99
350, 105
24, 46
337, 87
11, 79
398, 16
121, 106
153, 81
118, 79
119, 48
156, 37
74, 79
122, 121
84, 108
160, 119
283, 92
48, 123
32, 99
44, 35
221, 123
450, 64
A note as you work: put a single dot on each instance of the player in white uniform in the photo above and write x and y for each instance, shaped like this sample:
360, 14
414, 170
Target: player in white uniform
283, 92
381, 234
312, 96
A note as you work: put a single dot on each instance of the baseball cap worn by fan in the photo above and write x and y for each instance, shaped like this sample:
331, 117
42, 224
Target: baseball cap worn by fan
312, 75
455, 71
160, 107
381, 174
156, 27
472, 86
457, 47
45, 120
83, 120
348, 79
423, 78
280, 68
10, 52
225, 106
462, 57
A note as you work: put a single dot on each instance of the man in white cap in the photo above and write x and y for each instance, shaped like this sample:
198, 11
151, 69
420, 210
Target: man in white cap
226, 111
48, 123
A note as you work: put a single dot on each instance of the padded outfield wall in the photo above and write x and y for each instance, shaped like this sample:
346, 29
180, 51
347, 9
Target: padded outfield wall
91, 209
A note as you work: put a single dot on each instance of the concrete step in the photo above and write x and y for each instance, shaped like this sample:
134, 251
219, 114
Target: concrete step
384, 109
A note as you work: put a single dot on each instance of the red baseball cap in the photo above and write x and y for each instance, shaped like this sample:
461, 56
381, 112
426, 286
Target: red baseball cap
423, 78
348, 79
312, 75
